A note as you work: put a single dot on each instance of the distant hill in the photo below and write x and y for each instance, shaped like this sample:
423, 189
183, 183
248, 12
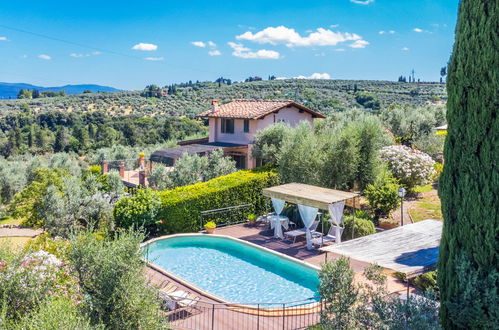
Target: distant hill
10, 90
188, 100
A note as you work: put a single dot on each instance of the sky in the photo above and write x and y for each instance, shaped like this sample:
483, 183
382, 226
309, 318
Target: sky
130, 44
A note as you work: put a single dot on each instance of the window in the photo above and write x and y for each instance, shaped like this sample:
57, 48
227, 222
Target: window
246, 126
228, 126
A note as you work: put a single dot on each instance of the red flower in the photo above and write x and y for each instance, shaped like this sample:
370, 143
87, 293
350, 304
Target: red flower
162, 221
117, 228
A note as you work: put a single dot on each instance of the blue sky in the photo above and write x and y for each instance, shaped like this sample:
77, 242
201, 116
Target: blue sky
129, 44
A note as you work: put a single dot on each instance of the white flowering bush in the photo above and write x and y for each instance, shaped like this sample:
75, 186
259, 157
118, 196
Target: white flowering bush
25, 280
410, 166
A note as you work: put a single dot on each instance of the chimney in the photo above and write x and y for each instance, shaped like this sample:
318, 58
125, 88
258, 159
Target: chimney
214, 105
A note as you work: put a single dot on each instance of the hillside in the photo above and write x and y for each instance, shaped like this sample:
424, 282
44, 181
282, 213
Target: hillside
321, 95
10, 90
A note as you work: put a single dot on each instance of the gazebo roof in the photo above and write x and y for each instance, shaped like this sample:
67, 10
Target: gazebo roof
299, 193
410, 249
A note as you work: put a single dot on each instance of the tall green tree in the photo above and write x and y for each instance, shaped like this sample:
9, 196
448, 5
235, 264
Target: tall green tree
469, 186
61, 139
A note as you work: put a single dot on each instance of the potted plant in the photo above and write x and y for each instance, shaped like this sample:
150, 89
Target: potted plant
252, 219
210, 227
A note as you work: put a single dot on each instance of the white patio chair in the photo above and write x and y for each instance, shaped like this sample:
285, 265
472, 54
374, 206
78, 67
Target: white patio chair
301, 232
320, 240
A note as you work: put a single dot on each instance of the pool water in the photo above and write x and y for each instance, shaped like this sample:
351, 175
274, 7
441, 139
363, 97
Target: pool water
232, 270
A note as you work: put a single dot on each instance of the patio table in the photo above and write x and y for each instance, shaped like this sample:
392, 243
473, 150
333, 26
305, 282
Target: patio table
277, 223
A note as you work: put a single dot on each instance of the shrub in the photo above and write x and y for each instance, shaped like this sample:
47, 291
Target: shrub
426, 281
432, 144
410, 166
350, 305
110, 273
26, 279
363, 226
56, 313
383, 195
140, 210
180, 207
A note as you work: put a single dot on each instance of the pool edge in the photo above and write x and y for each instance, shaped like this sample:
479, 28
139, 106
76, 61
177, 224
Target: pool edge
306, 308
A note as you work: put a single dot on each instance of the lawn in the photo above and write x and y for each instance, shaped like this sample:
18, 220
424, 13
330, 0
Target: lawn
14, 242
9, 221
427, 207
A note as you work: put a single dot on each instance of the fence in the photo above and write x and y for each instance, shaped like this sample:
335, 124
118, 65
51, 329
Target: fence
201, 315
226, 216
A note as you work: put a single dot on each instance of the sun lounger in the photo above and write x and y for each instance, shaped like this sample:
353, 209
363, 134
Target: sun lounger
301, 232
190, 301
319, 240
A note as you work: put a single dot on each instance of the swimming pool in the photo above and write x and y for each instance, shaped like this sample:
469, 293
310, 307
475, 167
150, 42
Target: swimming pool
232, 270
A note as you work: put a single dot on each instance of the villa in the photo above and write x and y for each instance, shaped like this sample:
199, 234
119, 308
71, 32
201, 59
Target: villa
233, 126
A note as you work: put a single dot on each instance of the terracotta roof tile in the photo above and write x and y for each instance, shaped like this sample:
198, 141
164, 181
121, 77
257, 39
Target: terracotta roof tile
252, 109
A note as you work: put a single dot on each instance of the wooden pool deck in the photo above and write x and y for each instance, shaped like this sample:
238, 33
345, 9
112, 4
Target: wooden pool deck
225, 317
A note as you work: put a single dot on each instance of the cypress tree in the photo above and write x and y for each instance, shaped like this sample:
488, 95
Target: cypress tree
468, 273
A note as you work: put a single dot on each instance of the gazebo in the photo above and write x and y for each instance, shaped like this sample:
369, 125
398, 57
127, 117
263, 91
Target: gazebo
309, 200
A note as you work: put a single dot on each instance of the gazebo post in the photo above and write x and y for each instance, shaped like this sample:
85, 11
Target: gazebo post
322, 236
353, 219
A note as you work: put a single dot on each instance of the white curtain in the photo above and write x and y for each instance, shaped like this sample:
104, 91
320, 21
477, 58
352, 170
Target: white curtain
308, 215
336, 212
278, 205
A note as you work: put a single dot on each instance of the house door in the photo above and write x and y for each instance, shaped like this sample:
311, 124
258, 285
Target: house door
240, 161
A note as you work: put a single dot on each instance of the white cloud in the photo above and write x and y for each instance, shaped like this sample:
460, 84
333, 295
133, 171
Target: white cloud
214, 52
405, 49
418, 30
320, 54
382, 32
339, 49
24, 56
211, 44
282, 35
391, 32
44, 57
77, 55
334, 26
145, 47
362, 2
315, 76
4, 39
359, 44
199, 44
244, 52
154, 58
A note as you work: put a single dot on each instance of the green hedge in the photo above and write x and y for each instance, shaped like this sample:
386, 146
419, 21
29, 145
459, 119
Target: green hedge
363, 227
179, 209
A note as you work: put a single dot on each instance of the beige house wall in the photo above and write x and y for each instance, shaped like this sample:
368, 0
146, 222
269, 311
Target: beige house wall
291, 116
